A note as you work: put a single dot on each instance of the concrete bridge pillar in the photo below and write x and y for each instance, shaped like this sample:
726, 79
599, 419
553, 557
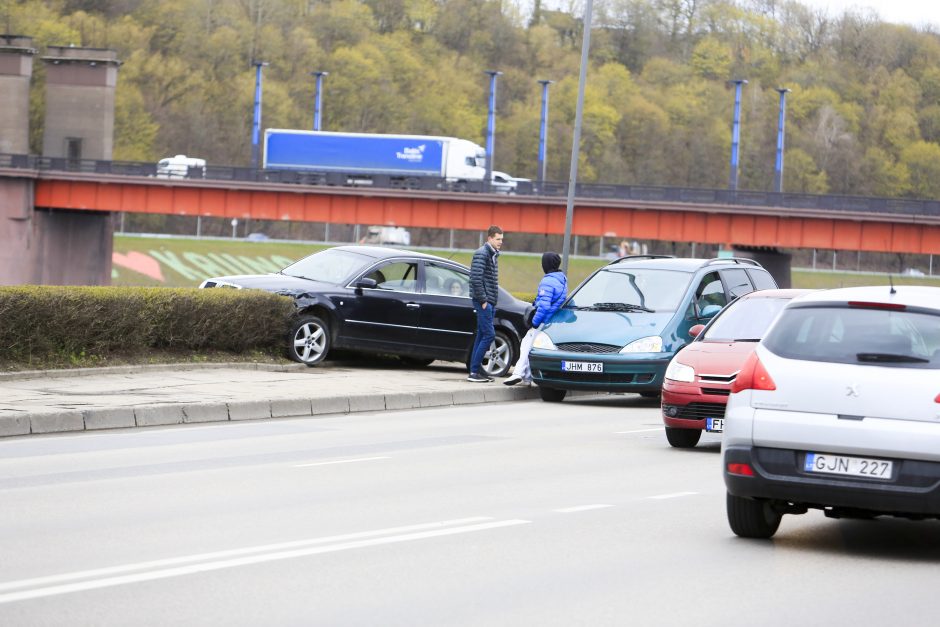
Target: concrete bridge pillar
16, 70
777, 263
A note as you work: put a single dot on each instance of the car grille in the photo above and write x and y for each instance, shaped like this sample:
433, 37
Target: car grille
598, 377
716, 391
700, 411
718, 378
586, 347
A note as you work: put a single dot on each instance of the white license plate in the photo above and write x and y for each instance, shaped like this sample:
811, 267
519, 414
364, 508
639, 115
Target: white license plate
582, 366
715, 425
842, 465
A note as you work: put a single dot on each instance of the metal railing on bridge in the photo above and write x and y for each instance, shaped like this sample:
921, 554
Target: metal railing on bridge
647, 193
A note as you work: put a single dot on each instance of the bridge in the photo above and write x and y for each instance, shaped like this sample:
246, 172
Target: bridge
86, 192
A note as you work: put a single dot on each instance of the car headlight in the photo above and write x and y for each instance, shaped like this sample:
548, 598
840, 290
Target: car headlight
680, 372
651, 344
544, 342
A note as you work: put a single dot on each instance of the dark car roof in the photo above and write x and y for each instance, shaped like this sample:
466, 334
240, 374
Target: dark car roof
681, 264
382, 252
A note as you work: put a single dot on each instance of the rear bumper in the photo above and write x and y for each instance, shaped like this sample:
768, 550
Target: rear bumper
914, 490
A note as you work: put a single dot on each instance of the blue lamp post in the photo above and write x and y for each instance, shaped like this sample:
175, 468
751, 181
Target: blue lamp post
543, 133
736, 133
317, 100
778, 164
256, 124
491, 129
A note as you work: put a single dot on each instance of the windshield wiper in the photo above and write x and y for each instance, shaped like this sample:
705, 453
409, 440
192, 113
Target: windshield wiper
620, 307
891, 358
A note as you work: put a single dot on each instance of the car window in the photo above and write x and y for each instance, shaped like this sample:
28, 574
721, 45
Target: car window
857, 335
738, 282
398, 276
710, 291
446, 281
330, 266
744, 320
659, 290
762, 279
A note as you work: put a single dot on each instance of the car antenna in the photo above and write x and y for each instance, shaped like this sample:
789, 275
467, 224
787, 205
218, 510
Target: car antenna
891, 281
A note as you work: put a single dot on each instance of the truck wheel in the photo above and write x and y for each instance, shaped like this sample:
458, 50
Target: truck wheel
751, 518
683, 438
308, 340
552, 395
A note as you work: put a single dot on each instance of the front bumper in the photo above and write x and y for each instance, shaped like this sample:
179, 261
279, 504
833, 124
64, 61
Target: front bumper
637, 372
914, 490
688, 405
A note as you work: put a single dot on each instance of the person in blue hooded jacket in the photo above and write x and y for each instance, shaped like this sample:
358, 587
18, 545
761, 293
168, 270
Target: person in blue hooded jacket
552, 291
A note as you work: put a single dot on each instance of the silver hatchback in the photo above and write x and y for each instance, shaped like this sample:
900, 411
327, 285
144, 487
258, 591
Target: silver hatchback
838, 409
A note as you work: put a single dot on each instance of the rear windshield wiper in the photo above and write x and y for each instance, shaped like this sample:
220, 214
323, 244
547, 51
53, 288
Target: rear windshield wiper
891, 358
620, 307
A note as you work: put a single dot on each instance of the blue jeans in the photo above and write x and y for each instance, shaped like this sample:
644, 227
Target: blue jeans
484, 337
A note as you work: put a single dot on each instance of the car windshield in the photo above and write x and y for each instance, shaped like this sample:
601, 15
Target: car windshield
329, 266
857, 335
631, 289
745, 320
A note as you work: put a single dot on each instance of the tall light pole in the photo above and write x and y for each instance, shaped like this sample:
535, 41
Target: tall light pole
317, 98
543, 132
256, 124
778, 164
736, 133
491, 129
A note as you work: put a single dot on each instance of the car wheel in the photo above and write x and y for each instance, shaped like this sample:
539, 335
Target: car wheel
308, 340
552, 395
750, 518
415, 362
499, 358
683, 438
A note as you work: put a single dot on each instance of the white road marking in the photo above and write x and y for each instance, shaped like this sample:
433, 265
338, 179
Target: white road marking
638, 431
341, 461
581, 508
674, 495
242, 561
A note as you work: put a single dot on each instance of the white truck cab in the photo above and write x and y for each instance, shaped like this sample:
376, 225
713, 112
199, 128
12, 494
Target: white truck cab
180, 167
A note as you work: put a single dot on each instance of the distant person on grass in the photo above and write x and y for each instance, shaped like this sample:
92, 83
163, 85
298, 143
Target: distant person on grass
484, 292
552, 291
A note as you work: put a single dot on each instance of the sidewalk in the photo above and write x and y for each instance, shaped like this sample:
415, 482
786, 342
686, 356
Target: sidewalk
143, 396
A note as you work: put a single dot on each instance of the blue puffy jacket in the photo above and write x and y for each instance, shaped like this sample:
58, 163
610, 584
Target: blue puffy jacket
553, 289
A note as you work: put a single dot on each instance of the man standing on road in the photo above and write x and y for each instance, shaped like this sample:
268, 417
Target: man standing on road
484, 292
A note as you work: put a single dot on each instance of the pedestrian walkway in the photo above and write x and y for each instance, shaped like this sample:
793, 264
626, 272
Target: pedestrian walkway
142, 396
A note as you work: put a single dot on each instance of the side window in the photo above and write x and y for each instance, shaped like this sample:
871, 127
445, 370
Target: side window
738, 283
470, 161
398, 276
762, 279
445, 281
710, 292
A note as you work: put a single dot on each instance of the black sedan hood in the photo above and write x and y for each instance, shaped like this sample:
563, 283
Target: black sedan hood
277, 283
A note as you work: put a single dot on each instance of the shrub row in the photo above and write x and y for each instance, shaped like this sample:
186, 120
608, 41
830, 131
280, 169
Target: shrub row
47, 324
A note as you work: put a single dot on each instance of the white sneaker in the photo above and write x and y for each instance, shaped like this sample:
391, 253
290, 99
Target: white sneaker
514, 379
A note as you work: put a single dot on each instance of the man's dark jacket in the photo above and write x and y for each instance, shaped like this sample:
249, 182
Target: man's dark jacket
484, 275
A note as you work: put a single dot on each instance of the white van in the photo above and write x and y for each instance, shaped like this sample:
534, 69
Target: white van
180, 167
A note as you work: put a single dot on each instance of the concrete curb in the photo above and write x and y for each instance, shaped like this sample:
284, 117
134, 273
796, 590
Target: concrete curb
145, 368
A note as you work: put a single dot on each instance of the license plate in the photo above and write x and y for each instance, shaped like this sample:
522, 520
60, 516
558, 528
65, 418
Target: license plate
582, 366
853, 466
715, 425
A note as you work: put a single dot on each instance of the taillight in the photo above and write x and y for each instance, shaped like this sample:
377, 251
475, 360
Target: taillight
753, 376
872, 305
937, 400
744, 470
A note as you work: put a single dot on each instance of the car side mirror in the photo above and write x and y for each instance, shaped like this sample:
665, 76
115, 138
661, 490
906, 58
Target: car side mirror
709, 311
366, 283
696, 330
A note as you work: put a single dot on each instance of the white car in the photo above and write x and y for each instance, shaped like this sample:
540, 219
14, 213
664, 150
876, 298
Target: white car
505, 184
838, 408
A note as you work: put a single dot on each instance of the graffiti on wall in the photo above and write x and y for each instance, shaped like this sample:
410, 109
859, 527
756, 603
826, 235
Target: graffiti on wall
193, 267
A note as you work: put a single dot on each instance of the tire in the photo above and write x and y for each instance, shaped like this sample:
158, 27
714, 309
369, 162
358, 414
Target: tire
500, 357
415, 362
552, 395
750, 518
309, 340
683, 438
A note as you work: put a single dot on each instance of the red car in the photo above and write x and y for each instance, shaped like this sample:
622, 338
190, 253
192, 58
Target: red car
698, 379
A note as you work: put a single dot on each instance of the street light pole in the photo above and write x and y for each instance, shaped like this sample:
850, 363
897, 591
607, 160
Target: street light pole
576, 140
256, 123
543, 133
736, 133
491, 129
317, 98
778, 165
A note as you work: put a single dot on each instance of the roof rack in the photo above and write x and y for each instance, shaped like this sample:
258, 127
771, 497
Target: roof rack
633, 257
733, 260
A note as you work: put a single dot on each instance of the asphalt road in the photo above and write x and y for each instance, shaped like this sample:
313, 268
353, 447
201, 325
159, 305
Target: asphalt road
523, 513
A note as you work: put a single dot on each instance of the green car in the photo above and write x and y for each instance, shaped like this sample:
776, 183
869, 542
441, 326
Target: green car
619, 329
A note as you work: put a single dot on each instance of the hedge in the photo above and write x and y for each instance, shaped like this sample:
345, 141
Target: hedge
47, 324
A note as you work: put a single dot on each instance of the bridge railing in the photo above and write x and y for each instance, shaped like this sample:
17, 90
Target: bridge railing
650, 193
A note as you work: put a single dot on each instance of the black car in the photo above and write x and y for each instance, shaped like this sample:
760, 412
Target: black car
385, 300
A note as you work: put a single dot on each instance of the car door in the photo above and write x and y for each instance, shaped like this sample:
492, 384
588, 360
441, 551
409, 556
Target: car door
446, 322
384, 317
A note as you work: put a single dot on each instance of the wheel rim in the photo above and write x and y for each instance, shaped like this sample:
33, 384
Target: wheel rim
496, 359
310, 342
